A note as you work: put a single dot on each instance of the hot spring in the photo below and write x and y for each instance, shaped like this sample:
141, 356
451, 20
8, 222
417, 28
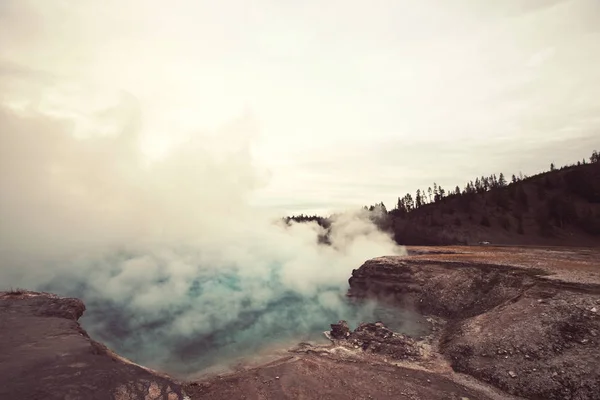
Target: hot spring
180, 264
218, 318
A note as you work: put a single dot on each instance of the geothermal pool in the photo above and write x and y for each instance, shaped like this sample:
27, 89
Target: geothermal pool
241, 340
173, 314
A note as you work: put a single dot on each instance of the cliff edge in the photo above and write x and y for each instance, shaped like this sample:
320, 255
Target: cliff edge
522, 319
45, 354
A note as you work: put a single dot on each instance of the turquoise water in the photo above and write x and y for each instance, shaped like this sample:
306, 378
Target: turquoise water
284, 322
220, 316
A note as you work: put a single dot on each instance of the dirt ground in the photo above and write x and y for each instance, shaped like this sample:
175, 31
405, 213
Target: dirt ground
332, 377
506, 323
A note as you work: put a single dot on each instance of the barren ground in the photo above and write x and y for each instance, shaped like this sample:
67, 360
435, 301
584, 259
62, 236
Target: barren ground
507, 323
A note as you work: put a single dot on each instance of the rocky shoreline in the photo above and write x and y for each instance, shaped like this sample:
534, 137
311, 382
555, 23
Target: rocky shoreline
523, 320
46, 354
507, 323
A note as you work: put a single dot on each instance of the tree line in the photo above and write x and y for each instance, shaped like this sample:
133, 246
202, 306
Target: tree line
436, 193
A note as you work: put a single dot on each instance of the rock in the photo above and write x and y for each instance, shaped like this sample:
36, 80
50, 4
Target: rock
594, 309
374, 330
53, 357
376, 338
512, 374
340, 330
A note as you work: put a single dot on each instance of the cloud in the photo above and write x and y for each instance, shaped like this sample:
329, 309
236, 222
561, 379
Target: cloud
540, 57
356, 76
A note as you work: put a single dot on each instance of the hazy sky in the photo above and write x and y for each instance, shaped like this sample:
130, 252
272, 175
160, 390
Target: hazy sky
345, 102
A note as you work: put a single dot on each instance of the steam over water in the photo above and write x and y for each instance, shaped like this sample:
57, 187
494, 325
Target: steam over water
178, 269
222, 317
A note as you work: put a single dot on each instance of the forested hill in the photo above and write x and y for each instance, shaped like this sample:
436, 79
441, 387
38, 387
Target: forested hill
558, 207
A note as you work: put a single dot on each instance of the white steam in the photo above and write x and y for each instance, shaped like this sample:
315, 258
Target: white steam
164, 252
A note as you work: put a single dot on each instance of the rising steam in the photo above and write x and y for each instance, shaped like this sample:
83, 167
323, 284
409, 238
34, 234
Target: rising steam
168, 256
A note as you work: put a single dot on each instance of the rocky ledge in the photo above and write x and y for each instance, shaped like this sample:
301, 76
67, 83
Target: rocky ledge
45, 354
375, 338
524, 320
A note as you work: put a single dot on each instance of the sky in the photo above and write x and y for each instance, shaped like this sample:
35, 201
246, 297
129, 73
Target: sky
339, 103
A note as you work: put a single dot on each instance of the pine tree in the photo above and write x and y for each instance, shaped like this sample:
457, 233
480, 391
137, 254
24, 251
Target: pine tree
408, 201
402, 210
501, 180
442, 192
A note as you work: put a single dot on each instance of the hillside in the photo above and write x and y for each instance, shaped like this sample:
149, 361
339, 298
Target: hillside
560, 207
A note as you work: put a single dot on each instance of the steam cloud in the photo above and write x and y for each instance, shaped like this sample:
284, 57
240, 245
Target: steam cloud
171, 260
